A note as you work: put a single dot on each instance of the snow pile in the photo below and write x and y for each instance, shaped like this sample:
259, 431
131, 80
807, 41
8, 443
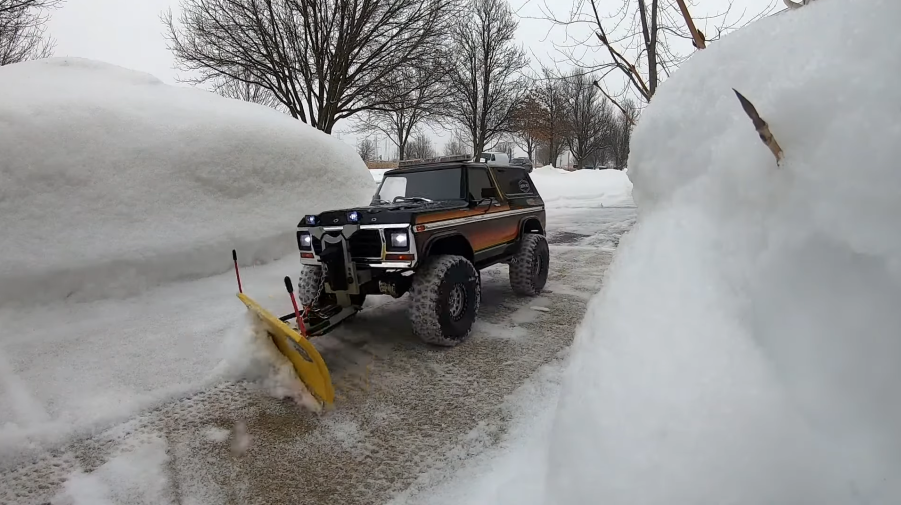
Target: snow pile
583, 188
111, 181
745, 347
548, 170
250, 354
378, 173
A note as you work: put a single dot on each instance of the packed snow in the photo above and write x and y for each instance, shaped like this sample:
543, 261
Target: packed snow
378, 173
744, 348
112, 182
561, 189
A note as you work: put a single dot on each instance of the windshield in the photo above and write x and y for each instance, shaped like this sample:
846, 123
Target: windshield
443, 184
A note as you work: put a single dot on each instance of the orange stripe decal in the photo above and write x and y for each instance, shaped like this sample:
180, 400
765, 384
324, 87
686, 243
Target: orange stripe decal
456, 214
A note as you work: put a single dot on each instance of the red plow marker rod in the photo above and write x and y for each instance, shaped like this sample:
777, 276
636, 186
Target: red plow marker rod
237, 273
290, 287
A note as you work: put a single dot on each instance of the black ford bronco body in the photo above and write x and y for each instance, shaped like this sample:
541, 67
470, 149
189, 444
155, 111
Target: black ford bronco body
431, 227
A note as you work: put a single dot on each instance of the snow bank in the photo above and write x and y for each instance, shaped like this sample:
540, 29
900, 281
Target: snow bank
378, 173
745, 347
548, 170
561, 189
111, 181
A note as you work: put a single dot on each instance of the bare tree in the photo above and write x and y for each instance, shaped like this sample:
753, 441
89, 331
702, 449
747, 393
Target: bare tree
23, 30
324, 60
527, 124
551, 99
366, 149
457, 144
453, 147
424, 102
484, 72
590, 123
622, 134
643, 41
420, 147
247, 91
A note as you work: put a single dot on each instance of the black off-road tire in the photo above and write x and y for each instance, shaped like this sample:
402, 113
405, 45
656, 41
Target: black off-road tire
529, 268
434, 289
311, 281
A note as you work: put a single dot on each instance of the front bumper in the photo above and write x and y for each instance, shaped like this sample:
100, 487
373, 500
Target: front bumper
366, 245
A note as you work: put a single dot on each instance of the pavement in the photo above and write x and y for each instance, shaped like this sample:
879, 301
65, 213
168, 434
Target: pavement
403, 408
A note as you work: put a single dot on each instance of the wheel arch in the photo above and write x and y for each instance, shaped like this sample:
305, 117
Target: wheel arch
450, 243
530, 225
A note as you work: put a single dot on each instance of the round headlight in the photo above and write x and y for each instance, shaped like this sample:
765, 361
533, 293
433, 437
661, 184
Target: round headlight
353, 216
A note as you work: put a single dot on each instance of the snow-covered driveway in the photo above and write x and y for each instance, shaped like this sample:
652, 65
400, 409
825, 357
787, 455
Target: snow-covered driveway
403, 408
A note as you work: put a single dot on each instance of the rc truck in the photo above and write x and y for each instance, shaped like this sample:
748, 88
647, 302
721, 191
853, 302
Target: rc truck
431, 227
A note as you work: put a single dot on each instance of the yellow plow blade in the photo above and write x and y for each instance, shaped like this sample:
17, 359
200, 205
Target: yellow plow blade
307, 361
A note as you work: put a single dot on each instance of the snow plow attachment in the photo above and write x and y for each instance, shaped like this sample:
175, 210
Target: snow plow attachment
306, 360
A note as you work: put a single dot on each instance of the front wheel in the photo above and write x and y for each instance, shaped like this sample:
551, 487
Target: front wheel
446, 293
529, 268
312, 283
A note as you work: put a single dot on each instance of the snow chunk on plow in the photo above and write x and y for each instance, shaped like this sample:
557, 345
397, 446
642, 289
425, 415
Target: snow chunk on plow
297, 352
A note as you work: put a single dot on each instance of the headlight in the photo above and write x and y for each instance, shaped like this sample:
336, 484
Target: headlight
398, 240
311, 220
353, 216
304, 241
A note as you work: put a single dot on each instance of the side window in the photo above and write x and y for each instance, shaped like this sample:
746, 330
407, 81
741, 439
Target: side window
478, 179
514, 181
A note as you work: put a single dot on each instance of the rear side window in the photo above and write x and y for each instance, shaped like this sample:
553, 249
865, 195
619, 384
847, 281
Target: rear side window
514, 181
478, 179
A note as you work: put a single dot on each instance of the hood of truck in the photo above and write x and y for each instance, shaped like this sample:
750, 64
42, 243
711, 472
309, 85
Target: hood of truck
395, 213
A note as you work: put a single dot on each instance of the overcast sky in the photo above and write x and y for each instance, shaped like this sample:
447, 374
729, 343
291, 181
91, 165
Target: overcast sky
129, 33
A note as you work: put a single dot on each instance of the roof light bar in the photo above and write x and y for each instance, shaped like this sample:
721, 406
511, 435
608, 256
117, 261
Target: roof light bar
431, 161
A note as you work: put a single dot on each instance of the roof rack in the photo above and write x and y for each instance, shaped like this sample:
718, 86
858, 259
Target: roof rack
431, 161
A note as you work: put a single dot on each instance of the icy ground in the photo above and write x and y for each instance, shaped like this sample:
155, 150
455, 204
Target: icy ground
137, 401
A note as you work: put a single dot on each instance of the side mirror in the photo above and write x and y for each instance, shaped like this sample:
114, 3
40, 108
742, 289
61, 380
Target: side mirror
489, 193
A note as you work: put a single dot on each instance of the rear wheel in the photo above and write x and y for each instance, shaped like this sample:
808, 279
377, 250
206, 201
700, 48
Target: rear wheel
312, 283
446, 293
529, 268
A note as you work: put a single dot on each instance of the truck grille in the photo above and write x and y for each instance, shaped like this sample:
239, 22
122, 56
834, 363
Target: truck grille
363, 244
366, 244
